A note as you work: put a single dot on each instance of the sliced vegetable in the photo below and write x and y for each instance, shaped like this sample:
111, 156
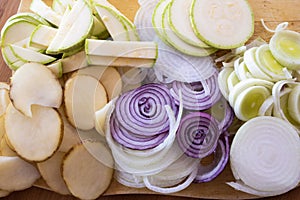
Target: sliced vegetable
178, 43
51, 172
285, 47
32, 137
41, 8
231, 24
198, 134
28, 87
181, 24
83, 95
85, 176
197, 95
258, 165
157, 18
16, 174
42, 36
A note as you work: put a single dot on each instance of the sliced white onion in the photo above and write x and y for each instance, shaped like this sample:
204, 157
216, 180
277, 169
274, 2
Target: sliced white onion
173, 65
265, 156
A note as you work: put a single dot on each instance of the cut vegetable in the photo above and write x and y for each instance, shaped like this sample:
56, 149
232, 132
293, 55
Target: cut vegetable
106, 61
231, 23
51, 172
16, 31
294, 103
42, 36
28, 55
32, 137
83, 96
249, 101
101, 116
28, 87
4, 147
259, 166
181, 24
124, 49
180, 44
56, 69
4, 98
285, 47
109, 77
157, 18
39, 7
85, 176
75, 27
222, 81
113, 22
16, 174
28, 16
74, 62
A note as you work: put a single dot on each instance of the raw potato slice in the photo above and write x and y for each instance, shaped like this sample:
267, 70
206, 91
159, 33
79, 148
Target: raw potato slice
4, 193
100, 118
5, 149
16, 174
4, 100
35, 138
51, 172
74, 62
34, 83
83, 96
85, 176
124, 49
71, 137
231, 23
109, 77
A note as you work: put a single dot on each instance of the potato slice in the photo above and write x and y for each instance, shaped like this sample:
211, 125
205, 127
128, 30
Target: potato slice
5, 149
108, 76
35, 138
51, 172
83, 96
71, 137
34, 83
4, 98
4, 193
16, 174
85, 176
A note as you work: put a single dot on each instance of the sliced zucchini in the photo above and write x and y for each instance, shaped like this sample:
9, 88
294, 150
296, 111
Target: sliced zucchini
181, 24
178, 43
222, 24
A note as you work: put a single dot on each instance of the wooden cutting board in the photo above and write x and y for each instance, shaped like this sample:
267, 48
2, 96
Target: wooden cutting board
272, 11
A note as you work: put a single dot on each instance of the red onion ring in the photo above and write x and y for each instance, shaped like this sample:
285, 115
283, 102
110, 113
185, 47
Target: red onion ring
221, 155
198, 134
140, 120
197, 95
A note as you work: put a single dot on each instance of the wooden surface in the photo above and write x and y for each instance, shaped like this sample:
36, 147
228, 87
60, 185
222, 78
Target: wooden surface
272, 11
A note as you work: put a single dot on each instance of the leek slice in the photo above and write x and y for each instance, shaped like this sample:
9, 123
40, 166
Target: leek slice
249, 102
232, 80
285, 47
259, 166
222, 81
268, 63
294, 104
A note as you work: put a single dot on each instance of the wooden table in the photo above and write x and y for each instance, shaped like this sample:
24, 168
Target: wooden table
9, 7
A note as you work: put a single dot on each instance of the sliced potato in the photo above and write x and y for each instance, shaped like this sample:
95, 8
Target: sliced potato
51, 172
85, 176
71, 137
83, 96
108, 76
16, 174
4, 100
4, 193
100, 118
34, 83
35, 138
5, 149
2, 127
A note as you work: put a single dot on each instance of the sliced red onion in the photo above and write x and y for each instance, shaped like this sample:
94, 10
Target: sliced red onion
223, 113
197, 95
142, 111
198, 134
221, 154
133, 141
